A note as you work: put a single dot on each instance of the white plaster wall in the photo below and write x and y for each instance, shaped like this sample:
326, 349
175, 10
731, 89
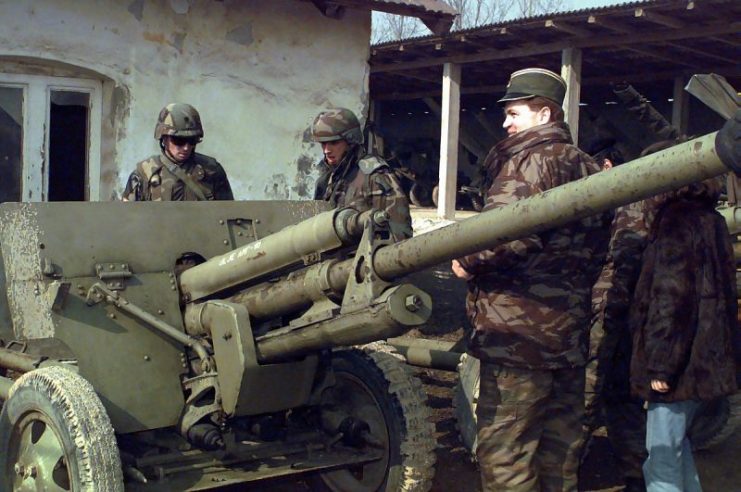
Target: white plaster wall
257, 70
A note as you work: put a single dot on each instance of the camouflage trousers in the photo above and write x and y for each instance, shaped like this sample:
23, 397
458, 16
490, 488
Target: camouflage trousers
529, 428
606, 404
602, 347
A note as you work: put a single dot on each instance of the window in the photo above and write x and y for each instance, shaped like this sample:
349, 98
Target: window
49, 138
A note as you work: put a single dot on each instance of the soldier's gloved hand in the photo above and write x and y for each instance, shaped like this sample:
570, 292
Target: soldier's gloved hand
728, 143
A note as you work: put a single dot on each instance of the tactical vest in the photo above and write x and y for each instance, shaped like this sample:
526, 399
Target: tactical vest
162, 180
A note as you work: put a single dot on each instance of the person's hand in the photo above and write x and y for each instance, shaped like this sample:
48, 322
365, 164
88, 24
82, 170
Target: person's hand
659, 386
459, 271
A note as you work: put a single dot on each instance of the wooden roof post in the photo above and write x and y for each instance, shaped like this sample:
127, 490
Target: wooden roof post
571, 73
680, 106
449, 129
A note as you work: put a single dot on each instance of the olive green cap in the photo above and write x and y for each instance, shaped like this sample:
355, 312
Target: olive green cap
531, 82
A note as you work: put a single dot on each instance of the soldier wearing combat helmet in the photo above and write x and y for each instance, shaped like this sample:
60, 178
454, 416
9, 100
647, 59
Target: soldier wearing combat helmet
178, 173
353, 178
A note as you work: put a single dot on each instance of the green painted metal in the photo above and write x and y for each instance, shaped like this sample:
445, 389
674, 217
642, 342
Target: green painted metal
670, 169
435, 354
5, 384
135, 368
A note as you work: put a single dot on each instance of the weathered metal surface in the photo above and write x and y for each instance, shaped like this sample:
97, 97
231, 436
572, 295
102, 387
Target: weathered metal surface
266, 255
47, 244
421, 352
391, 315
5, 384
670, 169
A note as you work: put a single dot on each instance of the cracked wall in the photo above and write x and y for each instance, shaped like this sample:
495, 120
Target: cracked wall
257, 71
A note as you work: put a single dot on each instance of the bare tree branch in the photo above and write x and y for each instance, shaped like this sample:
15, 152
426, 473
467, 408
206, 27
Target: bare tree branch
473, 13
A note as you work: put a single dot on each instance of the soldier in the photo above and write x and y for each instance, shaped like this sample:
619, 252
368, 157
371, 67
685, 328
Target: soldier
178, 173
529, 302
353, 178
607, 391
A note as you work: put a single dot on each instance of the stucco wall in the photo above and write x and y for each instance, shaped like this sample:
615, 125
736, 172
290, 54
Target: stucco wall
258, 71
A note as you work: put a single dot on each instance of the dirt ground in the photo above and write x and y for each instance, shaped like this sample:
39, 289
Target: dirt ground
456, 472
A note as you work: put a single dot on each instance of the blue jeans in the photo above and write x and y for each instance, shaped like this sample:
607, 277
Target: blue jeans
670, 466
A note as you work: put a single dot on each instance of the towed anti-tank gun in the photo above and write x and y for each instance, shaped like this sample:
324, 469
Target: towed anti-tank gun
145, 355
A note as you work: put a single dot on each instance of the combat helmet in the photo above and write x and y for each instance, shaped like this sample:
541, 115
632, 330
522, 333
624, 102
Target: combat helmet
337, 124
178, 120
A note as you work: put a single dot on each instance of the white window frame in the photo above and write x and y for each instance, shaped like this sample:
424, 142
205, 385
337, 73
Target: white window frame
36, 112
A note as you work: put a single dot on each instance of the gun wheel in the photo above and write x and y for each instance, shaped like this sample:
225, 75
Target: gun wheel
715, 421
378, 388
56, 436
465, 399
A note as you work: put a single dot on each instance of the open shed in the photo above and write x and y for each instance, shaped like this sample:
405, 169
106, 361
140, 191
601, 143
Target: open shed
440, 92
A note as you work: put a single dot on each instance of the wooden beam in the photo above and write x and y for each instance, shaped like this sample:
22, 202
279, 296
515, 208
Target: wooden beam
680, 106
558, 46
449, 127
485, 123
571, 61
588, 81
466, 140
417, 77
563, 27
729, 42
660, 19
609, 24
666, 58
703, 53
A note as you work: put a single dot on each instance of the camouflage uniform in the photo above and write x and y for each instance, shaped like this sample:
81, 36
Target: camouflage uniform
160, 178
360, 181
607, 390
529, 302
155, 179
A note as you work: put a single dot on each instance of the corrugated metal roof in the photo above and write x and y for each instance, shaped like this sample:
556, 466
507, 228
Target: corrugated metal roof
547, 15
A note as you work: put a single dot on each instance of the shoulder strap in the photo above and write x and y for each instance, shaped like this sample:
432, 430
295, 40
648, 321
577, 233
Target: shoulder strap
178, 172
371, 163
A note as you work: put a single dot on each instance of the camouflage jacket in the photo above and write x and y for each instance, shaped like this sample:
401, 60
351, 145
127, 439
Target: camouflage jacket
529, 300
153, 180
613, 291
683, 315
362, 182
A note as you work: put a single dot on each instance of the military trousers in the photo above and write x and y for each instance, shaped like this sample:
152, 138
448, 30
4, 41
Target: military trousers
607, 398
529, 428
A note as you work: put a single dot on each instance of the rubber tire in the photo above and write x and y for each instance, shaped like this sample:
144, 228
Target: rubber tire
65, 402
477, 202
715, 422
465, 399
398, 394
420, 195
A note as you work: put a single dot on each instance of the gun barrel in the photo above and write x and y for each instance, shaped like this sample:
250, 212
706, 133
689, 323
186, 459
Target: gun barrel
673, 168
324, 232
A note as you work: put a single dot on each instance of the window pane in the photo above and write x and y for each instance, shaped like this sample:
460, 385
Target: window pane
68, 143
11, 143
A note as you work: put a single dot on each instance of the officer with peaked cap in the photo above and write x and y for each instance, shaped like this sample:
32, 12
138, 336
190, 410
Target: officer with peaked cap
529, 302
178, 173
